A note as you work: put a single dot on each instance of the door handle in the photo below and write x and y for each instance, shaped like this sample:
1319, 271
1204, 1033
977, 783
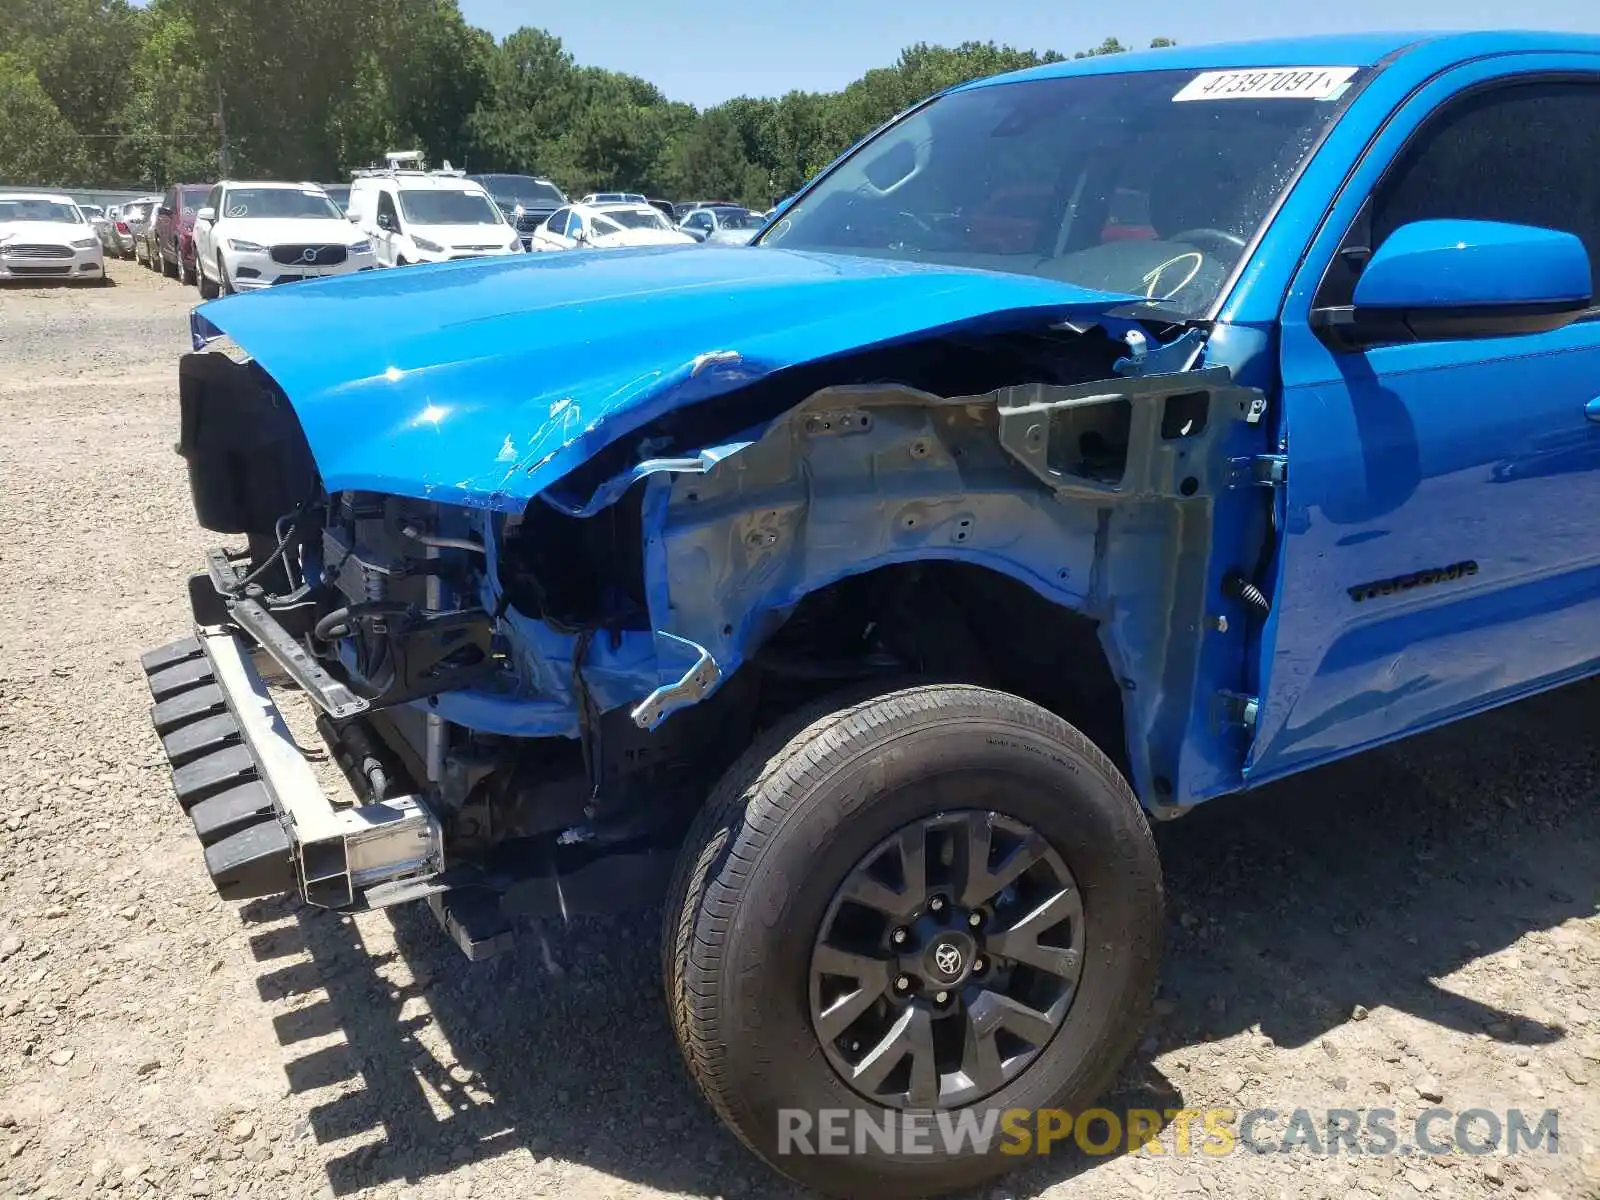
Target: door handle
1592, 410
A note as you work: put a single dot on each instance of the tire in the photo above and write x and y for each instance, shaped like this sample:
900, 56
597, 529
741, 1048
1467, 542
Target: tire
208, 289
186, 274
224, 284
169, 269
805, 807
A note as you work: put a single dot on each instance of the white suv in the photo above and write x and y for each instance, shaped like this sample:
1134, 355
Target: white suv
253, 234
415, 216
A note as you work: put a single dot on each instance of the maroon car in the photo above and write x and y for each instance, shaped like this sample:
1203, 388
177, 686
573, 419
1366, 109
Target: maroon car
174, 229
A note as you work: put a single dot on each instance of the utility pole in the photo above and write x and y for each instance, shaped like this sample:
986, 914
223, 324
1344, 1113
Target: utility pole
224, 155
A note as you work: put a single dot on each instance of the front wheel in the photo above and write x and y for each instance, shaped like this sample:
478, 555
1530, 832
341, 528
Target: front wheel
208, 289
944, 899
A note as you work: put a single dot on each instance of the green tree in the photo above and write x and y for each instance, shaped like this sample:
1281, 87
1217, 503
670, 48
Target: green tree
37, 144
711, 162
168, 117
1109, 46
81, 52
530, 93
305, 89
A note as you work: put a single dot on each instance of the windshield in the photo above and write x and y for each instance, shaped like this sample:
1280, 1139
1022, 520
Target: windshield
633, 218
524, 190
1150, 183
276, 202
39, 210
427, 206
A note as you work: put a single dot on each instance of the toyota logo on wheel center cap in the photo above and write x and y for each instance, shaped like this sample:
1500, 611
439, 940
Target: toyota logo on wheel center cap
947, 957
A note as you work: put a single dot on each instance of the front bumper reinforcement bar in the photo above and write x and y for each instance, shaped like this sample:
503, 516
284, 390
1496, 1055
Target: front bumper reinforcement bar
265, 822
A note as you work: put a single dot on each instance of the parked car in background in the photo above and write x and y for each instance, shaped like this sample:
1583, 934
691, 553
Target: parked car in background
339, 193
174, 229
666, 208
526, 200
250, 235
121, 232
418, 216
684, 207
614, 198
139, 214
607, 227
95, 214
728, 226
47, 237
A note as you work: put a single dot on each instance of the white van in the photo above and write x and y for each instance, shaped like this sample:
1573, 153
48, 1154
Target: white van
414, 215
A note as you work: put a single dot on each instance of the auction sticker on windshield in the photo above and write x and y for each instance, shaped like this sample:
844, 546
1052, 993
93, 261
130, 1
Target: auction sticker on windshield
1270, 83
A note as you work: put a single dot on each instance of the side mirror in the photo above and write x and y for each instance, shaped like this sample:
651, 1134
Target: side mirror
385, 223
580, 235
1449, 280
206, 214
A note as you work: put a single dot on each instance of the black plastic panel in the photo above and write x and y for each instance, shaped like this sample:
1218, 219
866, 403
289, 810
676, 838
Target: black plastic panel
189, 706
203, 737
217, 772
226, 814
257, 861
169, 681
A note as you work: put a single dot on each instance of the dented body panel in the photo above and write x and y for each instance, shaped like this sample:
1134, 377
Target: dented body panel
638, 484
850, 480
482, 384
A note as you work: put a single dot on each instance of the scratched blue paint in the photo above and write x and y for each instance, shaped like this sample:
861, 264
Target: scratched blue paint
483, 383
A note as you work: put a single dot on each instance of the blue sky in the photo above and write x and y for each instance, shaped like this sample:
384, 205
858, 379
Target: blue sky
706, 52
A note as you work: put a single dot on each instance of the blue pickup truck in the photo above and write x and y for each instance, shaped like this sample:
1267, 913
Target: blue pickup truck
1087, 443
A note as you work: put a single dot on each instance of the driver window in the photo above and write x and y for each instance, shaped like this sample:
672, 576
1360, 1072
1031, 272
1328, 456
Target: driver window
388, 218
558, 222
1524, 154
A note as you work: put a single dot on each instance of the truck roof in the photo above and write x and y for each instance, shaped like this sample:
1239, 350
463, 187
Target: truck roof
1346, 50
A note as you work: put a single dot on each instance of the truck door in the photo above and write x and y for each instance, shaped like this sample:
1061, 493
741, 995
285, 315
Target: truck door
1438, 549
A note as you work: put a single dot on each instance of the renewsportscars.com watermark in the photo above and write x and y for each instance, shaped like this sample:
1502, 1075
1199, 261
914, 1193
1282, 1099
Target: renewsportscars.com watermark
1180, 1131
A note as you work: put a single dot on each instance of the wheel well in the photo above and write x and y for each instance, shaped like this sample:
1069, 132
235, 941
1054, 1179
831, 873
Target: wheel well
953, 621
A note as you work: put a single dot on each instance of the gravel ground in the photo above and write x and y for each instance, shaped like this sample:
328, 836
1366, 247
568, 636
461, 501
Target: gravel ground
1412, 928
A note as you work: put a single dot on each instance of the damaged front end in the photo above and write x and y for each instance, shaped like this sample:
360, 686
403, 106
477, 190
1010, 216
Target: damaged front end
532, 671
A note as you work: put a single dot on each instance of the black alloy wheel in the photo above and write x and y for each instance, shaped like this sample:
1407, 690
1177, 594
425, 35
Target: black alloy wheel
947, 961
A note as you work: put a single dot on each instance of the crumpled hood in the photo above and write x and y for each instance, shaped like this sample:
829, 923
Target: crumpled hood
482, 383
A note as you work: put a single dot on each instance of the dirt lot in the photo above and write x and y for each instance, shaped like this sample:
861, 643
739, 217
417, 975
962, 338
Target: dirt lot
1415, 928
